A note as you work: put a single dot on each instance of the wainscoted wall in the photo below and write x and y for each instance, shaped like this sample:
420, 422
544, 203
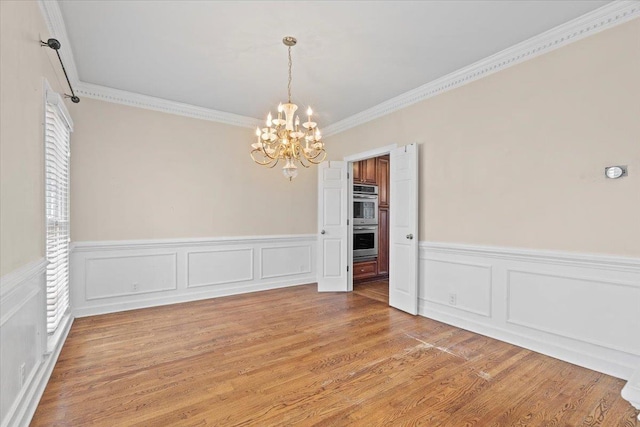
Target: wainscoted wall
25, 363
122, 275
580, 308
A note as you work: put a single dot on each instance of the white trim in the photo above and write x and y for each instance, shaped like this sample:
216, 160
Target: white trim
296, 273
375, 152
608, 16
631, 391
110, 245
157, 301
55, 24
617, 278
20, 287
10, 280
489, 268
52, 97
564, 351
248, 278
27, 402
531, 255
164, 285
131, 99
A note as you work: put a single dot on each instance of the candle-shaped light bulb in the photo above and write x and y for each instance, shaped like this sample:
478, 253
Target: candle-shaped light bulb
280, 108
297, 122
258, 131
269, 119
309, 112
317, 134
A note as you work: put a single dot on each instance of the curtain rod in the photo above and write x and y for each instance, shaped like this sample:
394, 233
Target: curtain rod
55, 45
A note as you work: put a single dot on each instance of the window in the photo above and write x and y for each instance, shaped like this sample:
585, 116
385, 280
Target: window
57, 131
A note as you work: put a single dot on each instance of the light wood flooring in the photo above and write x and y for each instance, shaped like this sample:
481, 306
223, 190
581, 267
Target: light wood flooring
378, 290
297, 357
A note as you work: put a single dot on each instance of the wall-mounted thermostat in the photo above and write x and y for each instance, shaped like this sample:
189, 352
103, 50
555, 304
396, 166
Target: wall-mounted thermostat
614, 172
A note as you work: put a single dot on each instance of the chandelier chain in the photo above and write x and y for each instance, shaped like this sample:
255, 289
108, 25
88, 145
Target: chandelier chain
289, 84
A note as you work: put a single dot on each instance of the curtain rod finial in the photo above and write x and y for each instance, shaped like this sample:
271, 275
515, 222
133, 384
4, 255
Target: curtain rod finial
52, 43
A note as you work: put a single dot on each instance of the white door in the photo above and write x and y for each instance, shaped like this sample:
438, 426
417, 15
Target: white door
332, 226
403, 231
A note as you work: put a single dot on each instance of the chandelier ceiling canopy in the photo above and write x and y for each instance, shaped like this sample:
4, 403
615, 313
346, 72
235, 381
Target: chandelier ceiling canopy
284, 138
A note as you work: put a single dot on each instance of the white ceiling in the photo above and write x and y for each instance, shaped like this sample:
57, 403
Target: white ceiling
351, 55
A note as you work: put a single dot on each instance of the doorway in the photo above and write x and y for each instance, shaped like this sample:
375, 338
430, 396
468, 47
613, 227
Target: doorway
335, 225
369, 215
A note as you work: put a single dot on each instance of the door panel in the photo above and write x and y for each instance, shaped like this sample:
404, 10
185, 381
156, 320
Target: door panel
332, 226
403, 232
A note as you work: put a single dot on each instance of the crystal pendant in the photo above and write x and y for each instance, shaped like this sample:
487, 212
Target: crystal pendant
290, 170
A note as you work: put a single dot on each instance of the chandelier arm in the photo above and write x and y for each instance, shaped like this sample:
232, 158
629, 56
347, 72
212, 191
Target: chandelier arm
267, 154
265, 159
317, 162
311, 158
262, 163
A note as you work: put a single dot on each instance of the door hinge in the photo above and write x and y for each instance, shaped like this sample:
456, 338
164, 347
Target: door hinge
347, 222
347, 268
347, 175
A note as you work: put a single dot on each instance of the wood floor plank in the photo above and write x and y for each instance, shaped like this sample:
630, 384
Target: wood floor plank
294, 356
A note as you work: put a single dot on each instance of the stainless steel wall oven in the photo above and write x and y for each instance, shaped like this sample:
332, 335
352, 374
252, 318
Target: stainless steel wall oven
365, 205
365, 241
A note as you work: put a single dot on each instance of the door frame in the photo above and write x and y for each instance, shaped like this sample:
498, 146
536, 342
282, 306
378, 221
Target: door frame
376, 152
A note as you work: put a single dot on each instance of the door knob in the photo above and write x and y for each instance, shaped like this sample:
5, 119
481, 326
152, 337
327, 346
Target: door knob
410, 236
322, 232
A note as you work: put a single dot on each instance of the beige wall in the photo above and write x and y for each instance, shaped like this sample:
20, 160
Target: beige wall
517, 158
141, 174
23, 65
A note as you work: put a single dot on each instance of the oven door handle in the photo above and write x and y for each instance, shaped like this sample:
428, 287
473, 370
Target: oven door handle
362, 196
365, 228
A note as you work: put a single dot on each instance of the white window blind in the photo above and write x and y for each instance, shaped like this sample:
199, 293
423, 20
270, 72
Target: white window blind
58, 127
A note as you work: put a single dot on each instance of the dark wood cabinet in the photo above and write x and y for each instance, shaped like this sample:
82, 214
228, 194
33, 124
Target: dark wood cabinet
357, 173
364, 171
369, 175
382, 179
365, 270
383, 242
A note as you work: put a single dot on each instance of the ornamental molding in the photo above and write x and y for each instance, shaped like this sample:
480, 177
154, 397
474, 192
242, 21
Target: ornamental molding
608, 16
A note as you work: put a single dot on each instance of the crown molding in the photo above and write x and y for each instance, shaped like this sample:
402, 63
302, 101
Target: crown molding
117, 96
52, 14
608, 16
55, 24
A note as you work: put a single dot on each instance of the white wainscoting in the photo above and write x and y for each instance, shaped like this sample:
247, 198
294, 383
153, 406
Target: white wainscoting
123, 275
580, 308
23, 343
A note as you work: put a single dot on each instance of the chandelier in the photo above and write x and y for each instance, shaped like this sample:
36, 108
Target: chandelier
283, 139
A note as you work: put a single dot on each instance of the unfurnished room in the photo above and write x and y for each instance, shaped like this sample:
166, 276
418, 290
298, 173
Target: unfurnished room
320, 213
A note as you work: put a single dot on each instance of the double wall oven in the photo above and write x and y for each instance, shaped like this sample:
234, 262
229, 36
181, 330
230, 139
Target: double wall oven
365, 222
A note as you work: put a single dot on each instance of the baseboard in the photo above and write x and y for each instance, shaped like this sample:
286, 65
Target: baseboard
29, 398
580, 308
125, 275
24, 336
176, 299
631, 391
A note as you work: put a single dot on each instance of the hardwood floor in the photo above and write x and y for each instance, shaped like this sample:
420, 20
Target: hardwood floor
297, 357
378, 290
